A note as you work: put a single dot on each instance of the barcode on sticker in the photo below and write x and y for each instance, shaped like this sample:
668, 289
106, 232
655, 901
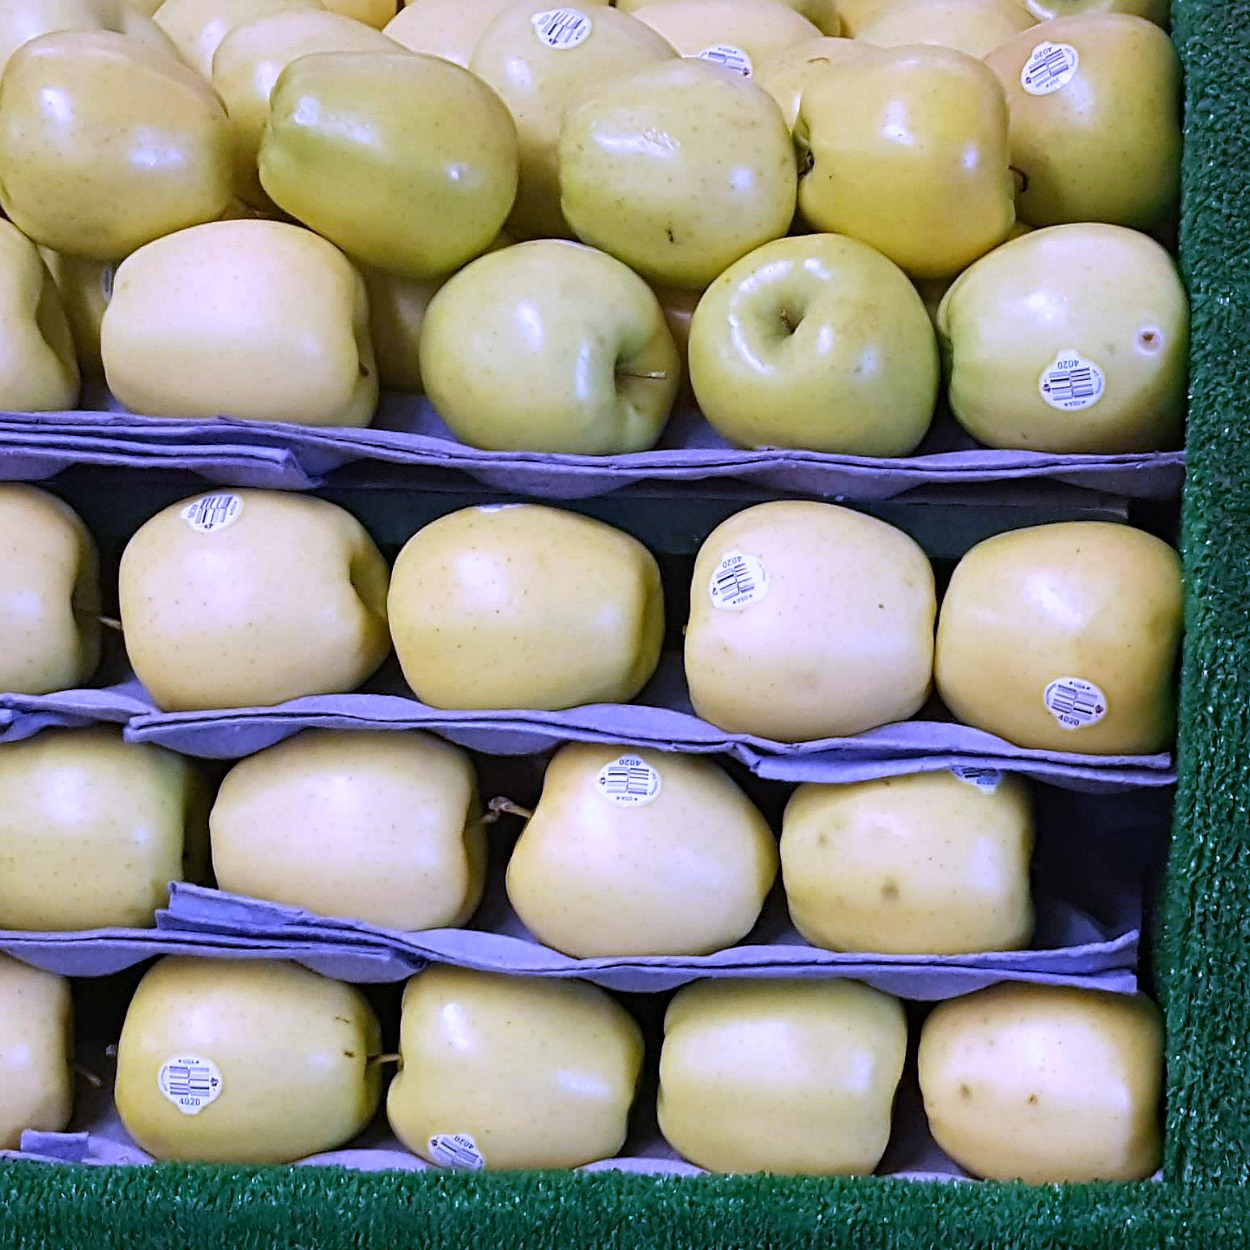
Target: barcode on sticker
456, 1150
562, 28
190, 1082
1075, 703
987, 780
1050, 66
629, 781
738, 581
1071, 382
730, 56
212, 513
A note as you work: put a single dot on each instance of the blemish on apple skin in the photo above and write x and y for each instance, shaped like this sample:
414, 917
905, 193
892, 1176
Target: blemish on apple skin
669, 235
349, 1054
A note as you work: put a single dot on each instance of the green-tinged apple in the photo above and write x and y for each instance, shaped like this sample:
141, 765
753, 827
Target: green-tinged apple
634, 852
252, 319
36, 1052
525, 606
1157, 11
396, 313
216, 612
1095, 120
976, 27
926, 864
824, 14
1045, 1083
106, 144
379, 827
245, 1061
1069, 339
817, 342
49, 593
856, 14
375, 13
732, 33
24, 20
678, 307
550, 346
93, 830
540, 60
197, 27
785, 73
506, 1072
933, 290
907, 151
809, 621
791, 1077
1064, 637
707, 159
146, 7
85, 287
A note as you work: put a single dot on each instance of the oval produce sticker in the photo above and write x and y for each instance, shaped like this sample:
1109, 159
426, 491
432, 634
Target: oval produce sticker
1050, 67
730, 56
1075, 703
562, 29
738, 581
190, 1082
212, 513
629, 781
456, 1150
1071, 382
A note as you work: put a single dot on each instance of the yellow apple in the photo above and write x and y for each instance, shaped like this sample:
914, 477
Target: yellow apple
36, 1050
933, 290
85, 287
785, 73
525, 606
1095, 120
809, 621
24, 20
233, 1061
976, 27
146, 7
816, 342
252, 597
1157, 11
792, 1077
197, 27
508, 1072
550, 346
1070, 339
396, 313
1045, 1084
375, 13
822, 13
380, 827
907, 151
540, 59
707, 161
258, 320
1064, 637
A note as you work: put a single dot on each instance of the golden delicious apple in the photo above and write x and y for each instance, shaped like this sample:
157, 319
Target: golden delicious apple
540, 59
1064, 637
380, 827
785, 73
816, 342
38, 370
976, 27
926, 864
1157, 11
793, 1077
678, 308
907, 151
640, 853
216, 612
146, 7
92, 829
525, 606
1070, 339
49, 593
396, 313
85, 287
510, 1072
197, 27
550, 346
233, 1061
375, 13
1045, 1084
1095, 120
933, 290
822, 13
106, 144
36, 1050
809, 621
258, 320
707, 161
24, 20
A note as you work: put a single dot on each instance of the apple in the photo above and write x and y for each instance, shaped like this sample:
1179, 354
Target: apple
1064, 637
1157, 11
817, 342
106, 144
706, 158
245, 1061
1069, 339
508, 1072
976, 27
633, 852
809, 621
36, 1049
85, 287
49, 593
24, 20
540, 59
38, 370
784, 1076
786, 72
375, 13
926, 864
407, 162
907, 151
525, 606
397, 309
1045, 1084
379, 827
197, 27
1095, 120
146, 7
93, 830
824, 14
218, 611
933, 290
678, 308
550, 346
257, 320
856, 14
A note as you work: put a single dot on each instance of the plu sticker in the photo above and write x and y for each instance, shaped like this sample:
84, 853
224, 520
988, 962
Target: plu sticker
456, 1150
190, 1082
1071, 382
1050, 67
562, 28
1075, 703
629, 781
212, 513
738, 581
730, 56
987, 780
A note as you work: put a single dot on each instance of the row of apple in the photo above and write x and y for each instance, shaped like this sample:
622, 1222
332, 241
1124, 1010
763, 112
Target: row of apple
267, 1062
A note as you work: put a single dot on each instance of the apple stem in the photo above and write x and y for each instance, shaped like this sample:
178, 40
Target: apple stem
390, 1057
92, 1078
110, 623
500, 806
659, 376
